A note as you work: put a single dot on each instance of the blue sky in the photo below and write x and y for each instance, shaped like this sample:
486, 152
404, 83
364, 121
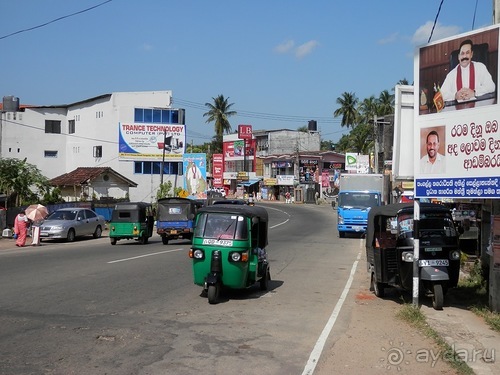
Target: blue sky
281, 62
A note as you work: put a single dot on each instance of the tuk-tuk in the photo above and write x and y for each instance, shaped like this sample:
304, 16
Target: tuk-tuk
175, 218
229, 248
389, 249
131, 220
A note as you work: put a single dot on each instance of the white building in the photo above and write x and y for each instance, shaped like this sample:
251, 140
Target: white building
124, 131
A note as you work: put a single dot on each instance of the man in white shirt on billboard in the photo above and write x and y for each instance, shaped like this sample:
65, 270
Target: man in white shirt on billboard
433, 161
469, 79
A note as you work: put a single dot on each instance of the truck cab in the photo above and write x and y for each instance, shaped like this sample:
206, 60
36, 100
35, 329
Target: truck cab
353, 208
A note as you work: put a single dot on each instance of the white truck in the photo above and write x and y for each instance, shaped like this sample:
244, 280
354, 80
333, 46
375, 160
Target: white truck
357, 193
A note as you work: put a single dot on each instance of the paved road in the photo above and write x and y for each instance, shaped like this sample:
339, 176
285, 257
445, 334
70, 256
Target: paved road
89, 307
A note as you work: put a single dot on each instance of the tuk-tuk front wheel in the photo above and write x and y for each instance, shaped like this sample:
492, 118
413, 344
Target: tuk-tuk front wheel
213, 293
437, 297
113, 241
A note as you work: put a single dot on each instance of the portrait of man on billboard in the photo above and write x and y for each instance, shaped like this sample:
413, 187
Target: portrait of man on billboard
459, 73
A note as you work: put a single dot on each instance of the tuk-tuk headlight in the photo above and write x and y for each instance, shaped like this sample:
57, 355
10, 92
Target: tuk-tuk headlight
455, 255
196, 254
407, 256
235, 257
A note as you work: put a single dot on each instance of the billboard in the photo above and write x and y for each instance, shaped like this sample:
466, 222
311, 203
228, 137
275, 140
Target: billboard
218, 169
456, 134
147, 141
195, 173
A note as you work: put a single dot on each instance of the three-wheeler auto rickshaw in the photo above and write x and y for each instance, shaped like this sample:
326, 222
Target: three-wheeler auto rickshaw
389, 249
175, 218
229, 248
131, 220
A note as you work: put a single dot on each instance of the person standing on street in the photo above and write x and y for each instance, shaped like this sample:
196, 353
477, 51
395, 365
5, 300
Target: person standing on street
21, 224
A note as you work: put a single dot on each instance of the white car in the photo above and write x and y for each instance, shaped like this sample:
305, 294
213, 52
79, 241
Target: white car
69, 223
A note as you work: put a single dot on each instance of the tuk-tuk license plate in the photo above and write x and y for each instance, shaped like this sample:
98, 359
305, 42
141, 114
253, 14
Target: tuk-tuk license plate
433, 262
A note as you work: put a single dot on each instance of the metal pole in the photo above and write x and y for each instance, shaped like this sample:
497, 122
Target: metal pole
416, 250
163, 157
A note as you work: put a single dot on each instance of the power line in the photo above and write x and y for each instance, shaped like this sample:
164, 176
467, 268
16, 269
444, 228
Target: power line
260, 115
55, 20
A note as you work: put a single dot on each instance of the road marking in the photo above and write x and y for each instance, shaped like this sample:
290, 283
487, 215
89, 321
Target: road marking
283, 222
320, 344
143, 256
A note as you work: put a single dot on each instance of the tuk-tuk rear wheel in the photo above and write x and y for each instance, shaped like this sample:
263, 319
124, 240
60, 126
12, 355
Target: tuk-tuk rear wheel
264, 281
378, 288
213, 293
437, 297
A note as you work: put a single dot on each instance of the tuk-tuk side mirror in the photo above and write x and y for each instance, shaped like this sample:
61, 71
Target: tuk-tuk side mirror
191, 216
255, 220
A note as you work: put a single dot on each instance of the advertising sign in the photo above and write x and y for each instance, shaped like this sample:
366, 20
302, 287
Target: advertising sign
457, 136
217, 170
234, 149
245, 131
351, 161
195, 173
147, 141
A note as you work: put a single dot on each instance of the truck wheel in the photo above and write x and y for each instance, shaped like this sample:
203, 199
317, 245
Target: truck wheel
378, 288
341, 234
213, 293
164, 239
437, 297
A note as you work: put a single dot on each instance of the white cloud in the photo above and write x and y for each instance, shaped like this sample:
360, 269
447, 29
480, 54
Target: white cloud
390, 39
306, 48
285, 46
421, 36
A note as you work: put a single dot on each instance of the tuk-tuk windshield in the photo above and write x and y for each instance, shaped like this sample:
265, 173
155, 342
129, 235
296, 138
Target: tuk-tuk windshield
221, 226
433, 224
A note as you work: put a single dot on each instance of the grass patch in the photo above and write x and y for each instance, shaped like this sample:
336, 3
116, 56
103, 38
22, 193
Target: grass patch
414, 317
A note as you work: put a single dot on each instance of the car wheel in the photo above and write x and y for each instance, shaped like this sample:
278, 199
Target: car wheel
71, 235
98, 232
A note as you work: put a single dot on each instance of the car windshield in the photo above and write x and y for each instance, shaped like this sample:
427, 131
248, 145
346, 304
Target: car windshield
221, 226
62, 215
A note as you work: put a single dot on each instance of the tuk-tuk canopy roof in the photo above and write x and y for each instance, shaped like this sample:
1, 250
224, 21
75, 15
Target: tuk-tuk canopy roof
244, 210
391, 210
131, 205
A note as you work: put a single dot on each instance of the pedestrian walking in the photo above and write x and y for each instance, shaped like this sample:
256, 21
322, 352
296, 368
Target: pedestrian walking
316, 196
287, 197
21, 225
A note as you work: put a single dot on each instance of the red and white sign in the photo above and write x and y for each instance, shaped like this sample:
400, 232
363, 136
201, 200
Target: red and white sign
245, 131
217, 169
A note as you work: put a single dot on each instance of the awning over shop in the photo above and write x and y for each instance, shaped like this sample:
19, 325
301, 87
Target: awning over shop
248, 183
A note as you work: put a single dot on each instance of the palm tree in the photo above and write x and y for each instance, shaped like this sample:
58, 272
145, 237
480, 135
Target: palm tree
348, 103
367, 109
385, 104
219, 112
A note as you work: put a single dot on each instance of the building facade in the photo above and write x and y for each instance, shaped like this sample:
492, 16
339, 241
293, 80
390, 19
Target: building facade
134, 133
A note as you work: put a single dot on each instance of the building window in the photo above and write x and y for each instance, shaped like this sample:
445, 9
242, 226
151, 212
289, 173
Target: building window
159, 116
154, 167
97, 151
53, 126
50, 154
71, 126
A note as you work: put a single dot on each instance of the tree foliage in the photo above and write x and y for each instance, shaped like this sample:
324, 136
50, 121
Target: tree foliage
219, 112
22, 182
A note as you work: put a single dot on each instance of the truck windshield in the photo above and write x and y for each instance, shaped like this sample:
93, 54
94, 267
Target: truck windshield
431, 225
358, 200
